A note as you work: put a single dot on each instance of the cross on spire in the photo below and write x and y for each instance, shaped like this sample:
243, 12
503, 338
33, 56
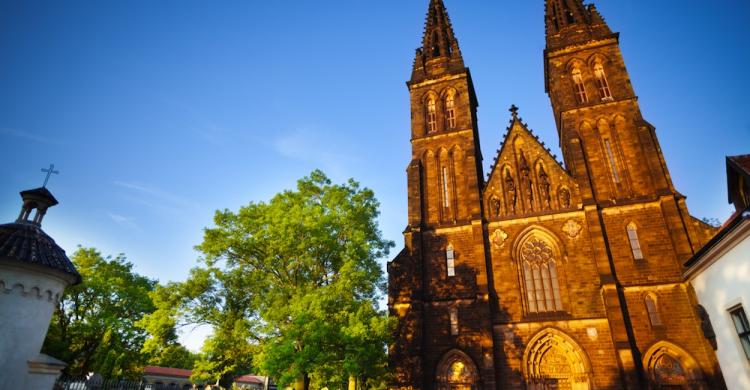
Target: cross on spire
51, 171
514, 110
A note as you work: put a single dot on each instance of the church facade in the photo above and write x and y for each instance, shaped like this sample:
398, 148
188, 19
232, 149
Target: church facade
543, 274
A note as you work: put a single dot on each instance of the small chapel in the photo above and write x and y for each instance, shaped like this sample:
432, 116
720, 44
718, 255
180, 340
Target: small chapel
544, 274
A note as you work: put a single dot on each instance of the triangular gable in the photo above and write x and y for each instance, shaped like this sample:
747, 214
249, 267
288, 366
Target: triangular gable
526, 178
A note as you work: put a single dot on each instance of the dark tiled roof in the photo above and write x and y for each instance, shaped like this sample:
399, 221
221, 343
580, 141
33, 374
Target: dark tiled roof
742, 161
27, 243
167, 371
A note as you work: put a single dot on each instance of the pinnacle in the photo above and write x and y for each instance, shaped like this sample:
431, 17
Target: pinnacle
570, 21
438, 43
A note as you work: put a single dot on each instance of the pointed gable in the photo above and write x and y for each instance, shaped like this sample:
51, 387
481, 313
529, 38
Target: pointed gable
526, 178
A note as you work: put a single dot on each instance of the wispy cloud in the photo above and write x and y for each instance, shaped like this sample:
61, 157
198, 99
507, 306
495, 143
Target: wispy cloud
126, 222
25, 135
155, 197
313, 146
215, 135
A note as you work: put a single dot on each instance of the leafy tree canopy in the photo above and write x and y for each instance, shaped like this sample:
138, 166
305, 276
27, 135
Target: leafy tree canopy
293, 283
93, 328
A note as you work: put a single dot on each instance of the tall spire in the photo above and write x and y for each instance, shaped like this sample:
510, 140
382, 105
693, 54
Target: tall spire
570, 22
439, 52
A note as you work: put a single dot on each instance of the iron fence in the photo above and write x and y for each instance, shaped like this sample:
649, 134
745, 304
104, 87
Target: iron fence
83, 383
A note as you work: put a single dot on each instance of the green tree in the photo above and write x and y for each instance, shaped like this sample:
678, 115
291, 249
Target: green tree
162, 348
213, 297
93, 328
307, 263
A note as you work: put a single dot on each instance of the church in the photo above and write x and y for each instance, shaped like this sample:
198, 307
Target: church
544, 274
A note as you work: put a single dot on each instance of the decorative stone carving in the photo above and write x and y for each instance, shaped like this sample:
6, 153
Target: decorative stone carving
572, 228
510, 188
495, 206
544, 186
536, 251
523, 167
564, 197
499, 236
669, 372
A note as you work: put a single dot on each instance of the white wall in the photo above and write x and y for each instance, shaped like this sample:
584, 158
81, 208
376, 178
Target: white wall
721, 286
27, 300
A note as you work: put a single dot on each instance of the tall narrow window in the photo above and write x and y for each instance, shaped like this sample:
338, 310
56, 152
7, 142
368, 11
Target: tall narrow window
454, 321
530, 295
450, 111
450, 261
611, 158
580, 88
635, 244
743, 328
653, 310
431, 116
540, 277
555, 285
601, 82
446, 191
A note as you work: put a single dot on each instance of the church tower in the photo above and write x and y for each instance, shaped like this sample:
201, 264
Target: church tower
438, 286
639, 223
607, 144
543, 275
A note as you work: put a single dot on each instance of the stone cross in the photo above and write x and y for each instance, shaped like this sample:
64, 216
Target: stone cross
514, 110
50, 172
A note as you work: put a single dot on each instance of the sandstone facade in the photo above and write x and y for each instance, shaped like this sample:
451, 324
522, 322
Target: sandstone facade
543, 274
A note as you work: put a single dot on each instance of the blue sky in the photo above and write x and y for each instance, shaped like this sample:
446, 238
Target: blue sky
157, 113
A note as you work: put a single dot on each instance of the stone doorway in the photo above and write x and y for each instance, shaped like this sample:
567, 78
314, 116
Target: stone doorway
554, 361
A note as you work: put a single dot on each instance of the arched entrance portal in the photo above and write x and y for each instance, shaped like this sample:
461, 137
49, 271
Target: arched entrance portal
456, 371
554, 361
670, 367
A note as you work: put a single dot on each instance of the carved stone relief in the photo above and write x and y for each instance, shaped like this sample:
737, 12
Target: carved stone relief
572, 228
499, 236
510, 188
564, 197
523, 167
544, 186
495, 206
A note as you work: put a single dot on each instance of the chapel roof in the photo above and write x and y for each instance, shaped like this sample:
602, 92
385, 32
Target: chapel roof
28, 243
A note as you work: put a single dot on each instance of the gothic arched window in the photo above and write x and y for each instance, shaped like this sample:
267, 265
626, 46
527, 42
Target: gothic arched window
635, 244
450, 260
450, 111
456, 372
601, 82
431, 115
540, 277
611, 158
653, 310
580, 88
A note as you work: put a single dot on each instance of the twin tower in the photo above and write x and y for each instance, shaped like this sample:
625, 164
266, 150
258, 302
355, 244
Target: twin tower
542, 274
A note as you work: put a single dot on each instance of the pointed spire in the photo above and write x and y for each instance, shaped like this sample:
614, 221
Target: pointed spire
439, 52
570, 22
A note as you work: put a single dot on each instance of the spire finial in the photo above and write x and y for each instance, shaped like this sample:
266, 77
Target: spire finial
569, 22
51, 171
439, 45
514, 111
